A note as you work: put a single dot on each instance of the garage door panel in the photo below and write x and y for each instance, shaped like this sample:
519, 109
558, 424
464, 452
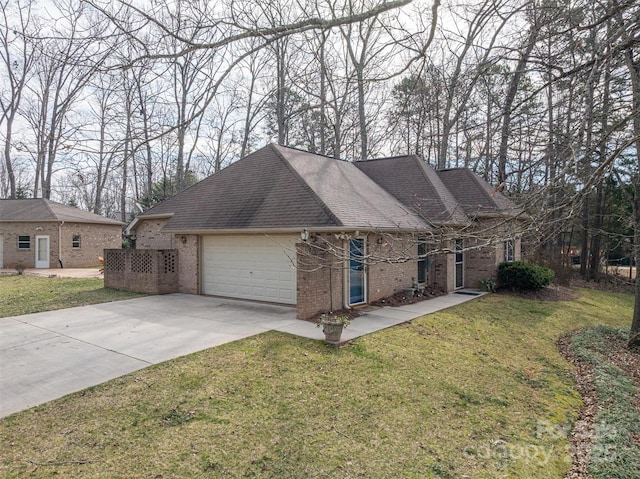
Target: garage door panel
250, 267
286, 276
272, 275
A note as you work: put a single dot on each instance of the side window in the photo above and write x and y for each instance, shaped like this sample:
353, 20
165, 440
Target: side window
423, 261
75, 241
24, 242
508, 251
459, 263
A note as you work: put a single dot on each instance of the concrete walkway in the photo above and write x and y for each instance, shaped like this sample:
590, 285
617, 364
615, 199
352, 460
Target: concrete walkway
44, 356
383, 318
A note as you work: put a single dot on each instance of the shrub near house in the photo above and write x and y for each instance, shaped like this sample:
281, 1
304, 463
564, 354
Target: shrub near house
521, 276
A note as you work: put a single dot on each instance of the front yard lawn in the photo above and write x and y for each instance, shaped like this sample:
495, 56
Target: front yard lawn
475, 391
21, 294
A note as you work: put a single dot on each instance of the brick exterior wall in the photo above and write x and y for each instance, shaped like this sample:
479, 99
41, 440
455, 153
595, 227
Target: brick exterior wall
481, 259
443, 268
94, 239
384, 277
321, 276
189, 265
149, 235
142, 271
479, 262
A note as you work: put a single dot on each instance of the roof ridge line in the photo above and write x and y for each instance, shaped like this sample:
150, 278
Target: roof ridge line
452, 208
300, 150
382, 158
479, 181
305, 185
53, 213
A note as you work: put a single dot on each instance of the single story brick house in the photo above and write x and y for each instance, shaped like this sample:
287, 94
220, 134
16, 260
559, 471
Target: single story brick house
287, 226
39, 233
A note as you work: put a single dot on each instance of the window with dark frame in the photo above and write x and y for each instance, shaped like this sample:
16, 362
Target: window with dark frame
508, 251
459, 263
75, 241
423, 262
24, 242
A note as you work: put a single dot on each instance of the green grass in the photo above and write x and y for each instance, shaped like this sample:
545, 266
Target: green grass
478, 390
615, 452
20, 294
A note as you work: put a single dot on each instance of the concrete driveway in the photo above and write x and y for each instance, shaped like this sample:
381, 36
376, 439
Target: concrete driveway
44, 356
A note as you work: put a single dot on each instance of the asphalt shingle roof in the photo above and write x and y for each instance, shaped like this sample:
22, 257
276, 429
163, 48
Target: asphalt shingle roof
42, 210
278, 187
349, 194
476, 196
412, 181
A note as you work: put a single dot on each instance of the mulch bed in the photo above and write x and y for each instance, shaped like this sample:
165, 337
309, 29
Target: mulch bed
583, 431
398, 299
581, 436
401, 297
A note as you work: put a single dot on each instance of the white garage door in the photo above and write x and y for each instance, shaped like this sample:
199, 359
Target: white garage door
250, 267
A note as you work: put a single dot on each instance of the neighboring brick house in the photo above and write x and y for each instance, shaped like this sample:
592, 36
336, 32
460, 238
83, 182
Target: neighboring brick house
39, 233
288, 226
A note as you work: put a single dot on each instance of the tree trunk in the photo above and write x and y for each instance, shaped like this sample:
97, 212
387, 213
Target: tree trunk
634, 334
634, 72
281, 97
323, 96
594, 266
508, 103
362, 117
584, 240
7, 157
248, 116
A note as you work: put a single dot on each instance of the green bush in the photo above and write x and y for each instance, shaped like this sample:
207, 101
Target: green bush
522, 276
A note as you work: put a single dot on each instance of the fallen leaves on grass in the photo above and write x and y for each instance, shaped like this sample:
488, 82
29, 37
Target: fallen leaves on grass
602, 348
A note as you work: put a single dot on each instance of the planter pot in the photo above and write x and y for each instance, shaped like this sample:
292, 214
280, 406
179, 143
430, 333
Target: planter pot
332, 331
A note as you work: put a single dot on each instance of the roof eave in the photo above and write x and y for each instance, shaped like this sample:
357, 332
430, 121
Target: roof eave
499, 214
75, 220
294, 230
143, 217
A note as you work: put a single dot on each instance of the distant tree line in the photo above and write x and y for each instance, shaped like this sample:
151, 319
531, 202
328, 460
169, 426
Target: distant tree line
117, 105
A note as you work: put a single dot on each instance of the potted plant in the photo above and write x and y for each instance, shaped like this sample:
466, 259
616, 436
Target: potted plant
332, 326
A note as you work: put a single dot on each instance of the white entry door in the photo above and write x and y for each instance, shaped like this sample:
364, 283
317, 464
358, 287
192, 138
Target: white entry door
42, 252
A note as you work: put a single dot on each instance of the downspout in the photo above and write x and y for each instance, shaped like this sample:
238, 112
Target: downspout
60, 244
